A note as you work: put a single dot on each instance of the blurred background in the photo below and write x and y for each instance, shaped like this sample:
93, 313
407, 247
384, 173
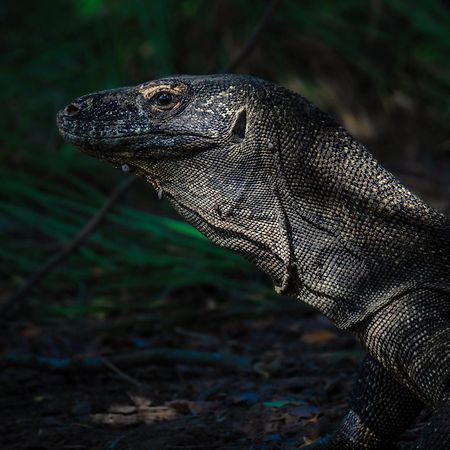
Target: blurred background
382, 67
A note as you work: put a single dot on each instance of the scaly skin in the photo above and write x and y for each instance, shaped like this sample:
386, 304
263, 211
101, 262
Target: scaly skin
260, 170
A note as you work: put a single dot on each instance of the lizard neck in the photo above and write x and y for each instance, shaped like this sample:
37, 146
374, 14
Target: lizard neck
359, 238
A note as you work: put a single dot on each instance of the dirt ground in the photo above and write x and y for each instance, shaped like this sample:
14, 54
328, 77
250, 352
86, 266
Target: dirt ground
294, 391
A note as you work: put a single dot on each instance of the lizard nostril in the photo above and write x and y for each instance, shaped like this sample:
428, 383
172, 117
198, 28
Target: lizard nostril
72, 110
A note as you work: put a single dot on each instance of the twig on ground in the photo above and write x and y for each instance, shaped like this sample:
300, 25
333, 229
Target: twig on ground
165, 318
121, 373
251, 42
73, 245
126, 360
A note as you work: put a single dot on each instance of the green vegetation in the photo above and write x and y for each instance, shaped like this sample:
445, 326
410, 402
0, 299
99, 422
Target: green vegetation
54, 51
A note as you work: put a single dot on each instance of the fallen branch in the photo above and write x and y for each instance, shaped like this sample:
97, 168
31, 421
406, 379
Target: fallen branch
121, 373
166, 318
73, 245
132, 359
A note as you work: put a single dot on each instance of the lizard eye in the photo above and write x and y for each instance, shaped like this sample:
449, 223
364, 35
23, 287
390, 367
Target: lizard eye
164, 100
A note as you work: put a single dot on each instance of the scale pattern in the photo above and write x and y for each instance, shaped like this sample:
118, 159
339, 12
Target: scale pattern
260, 170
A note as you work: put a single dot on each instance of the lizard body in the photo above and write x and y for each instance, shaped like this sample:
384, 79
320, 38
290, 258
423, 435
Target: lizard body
260, 170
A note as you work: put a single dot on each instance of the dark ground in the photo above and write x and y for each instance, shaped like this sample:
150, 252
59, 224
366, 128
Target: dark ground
295, 391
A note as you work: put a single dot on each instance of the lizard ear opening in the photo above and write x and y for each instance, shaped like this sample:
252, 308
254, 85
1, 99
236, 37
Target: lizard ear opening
240, 126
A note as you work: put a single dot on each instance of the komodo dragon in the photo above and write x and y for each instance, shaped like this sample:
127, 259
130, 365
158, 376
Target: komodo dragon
260, 170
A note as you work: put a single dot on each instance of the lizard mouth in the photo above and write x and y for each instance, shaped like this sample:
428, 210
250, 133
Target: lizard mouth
137, 145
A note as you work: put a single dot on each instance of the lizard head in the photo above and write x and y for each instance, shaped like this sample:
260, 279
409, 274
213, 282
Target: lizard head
205, 142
